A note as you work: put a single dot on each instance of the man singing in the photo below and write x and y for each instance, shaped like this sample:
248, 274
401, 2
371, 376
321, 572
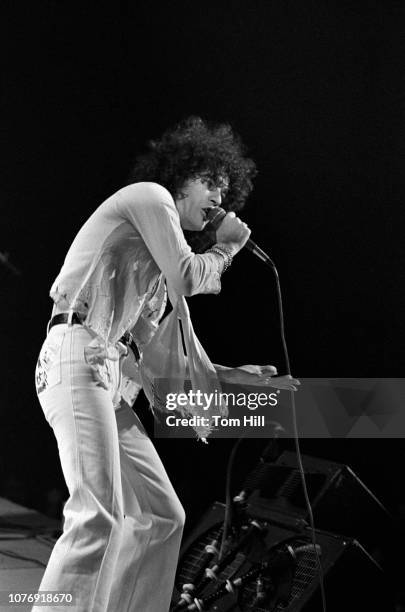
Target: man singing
123, 521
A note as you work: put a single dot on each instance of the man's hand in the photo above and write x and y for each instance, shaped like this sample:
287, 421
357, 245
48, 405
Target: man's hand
260, 376
233, 233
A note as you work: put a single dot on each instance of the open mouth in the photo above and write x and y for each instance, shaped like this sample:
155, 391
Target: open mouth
206, 212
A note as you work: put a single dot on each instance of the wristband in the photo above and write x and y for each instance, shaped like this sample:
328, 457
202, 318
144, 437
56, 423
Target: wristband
224, 252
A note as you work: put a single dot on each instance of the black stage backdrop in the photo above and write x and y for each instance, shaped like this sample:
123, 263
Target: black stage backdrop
316, 90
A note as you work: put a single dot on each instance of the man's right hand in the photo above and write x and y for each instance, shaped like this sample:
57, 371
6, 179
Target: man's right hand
233, 233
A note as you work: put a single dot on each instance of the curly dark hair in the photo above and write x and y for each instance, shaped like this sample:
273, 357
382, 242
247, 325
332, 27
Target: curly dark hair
196, 148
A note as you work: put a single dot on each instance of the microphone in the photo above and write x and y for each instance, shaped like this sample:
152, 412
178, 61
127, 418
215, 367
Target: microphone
216, 216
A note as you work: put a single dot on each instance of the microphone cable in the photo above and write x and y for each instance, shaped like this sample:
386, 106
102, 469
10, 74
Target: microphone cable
296, 435
228, 499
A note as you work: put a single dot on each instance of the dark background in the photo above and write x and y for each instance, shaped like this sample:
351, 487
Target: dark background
316, 90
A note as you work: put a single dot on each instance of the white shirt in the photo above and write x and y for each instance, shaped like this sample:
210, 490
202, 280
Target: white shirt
115, 270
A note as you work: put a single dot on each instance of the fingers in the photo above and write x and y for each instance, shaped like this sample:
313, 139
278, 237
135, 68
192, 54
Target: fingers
239, 225
245, 233
265, 375
268, 370
282, 382
233, 231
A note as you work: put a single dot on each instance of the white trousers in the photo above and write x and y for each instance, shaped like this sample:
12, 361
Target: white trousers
123, 521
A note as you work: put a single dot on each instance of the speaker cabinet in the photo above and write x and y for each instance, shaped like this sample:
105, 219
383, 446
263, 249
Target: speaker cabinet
353, 581
341, 502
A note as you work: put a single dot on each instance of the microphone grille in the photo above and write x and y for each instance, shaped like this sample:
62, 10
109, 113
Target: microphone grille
215, 216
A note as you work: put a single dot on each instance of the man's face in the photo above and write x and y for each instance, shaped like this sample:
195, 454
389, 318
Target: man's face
196, 198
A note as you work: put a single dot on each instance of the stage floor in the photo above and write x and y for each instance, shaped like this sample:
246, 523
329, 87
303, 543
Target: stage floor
26, 541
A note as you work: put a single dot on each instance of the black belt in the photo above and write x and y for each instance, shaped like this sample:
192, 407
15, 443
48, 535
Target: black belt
126, 339
63, 318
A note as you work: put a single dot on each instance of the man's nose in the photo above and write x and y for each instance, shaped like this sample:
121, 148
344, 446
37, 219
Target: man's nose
216, 197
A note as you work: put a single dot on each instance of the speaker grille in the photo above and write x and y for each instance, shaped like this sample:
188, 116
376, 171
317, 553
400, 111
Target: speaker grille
303, 574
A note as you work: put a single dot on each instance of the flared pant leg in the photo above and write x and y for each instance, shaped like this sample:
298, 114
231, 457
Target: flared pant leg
81, 414
153, 524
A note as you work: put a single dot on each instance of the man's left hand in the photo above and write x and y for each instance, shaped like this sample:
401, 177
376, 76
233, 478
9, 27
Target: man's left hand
261, 376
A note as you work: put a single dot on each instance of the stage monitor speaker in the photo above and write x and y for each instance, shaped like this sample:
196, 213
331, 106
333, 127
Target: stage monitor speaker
340, 501
353, 581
